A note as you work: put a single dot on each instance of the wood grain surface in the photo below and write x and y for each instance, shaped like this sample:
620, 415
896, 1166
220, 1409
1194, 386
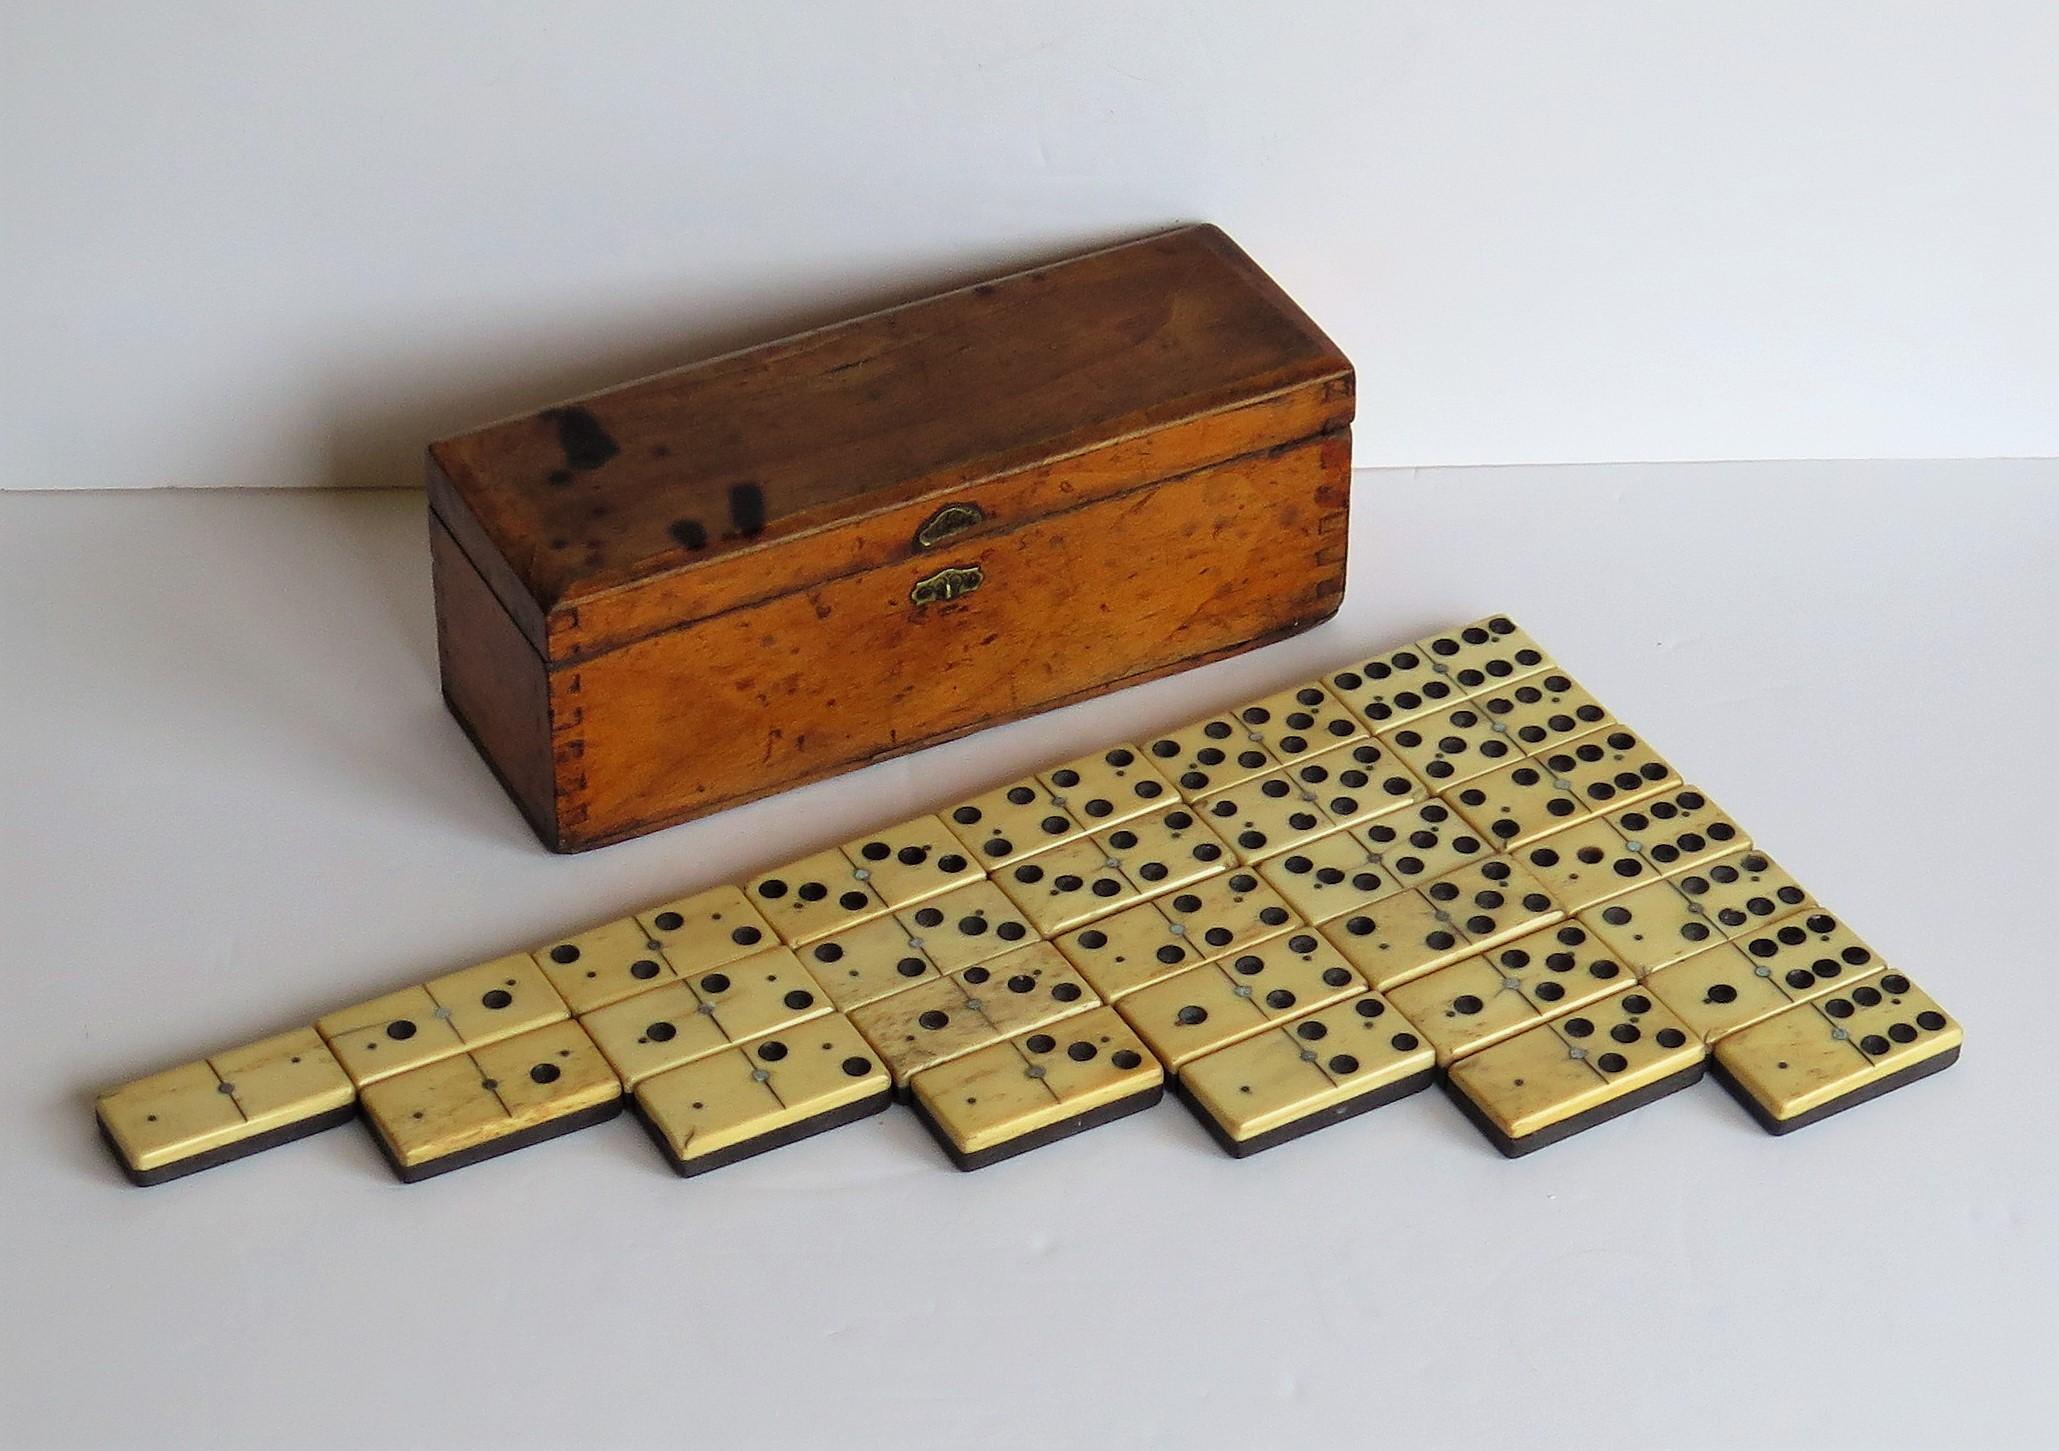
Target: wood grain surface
775, 566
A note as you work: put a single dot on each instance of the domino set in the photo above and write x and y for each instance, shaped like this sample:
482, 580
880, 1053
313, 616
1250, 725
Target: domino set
1446, 862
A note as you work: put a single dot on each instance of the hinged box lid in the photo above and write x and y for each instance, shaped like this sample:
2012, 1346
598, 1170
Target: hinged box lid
686, 494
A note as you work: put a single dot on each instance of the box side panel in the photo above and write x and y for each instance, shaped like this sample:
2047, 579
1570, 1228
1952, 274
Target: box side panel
465, 531
1004, 502
794, 689
493, 682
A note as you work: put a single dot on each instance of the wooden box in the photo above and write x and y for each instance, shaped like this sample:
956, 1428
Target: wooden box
784, 563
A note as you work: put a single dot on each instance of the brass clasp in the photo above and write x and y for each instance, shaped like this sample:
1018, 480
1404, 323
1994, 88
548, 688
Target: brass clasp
947, 584
949, 522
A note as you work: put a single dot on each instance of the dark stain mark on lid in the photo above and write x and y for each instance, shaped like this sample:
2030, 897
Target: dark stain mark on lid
747, 508
585, 443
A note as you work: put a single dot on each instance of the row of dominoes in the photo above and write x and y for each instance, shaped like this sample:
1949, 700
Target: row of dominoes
1449, 860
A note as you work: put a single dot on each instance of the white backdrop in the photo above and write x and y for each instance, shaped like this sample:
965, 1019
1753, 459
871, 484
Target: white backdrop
262, 244
242, 804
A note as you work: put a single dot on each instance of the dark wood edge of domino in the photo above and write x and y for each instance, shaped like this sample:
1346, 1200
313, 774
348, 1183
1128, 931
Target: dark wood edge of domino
1065, 1128
227, 1153
807, 1128
1579, 1122
555, 1128
1900, 1078
1321, 1119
